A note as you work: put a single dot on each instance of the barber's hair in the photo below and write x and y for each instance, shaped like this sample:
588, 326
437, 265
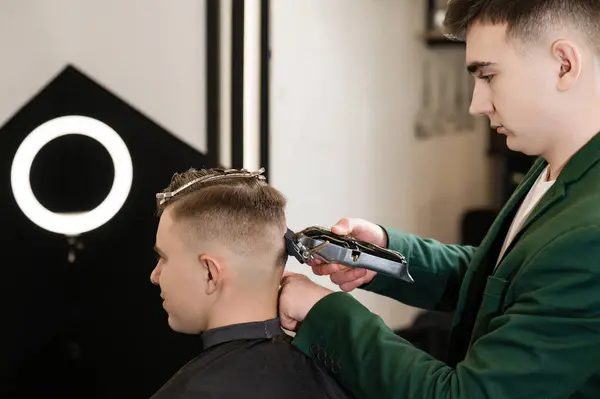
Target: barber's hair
526, 20
233, 207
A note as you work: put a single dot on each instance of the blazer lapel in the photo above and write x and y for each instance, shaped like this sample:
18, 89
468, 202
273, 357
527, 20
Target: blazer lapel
574, 169
484, 260
489, 248
480, 267
504, 219
554, 195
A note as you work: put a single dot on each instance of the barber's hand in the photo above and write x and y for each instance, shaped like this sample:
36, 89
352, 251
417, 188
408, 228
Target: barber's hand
348, 278
297, 295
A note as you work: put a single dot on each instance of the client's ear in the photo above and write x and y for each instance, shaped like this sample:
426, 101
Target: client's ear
212, 273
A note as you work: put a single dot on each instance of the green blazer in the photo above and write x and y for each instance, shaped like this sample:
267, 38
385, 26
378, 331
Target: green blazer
530, 329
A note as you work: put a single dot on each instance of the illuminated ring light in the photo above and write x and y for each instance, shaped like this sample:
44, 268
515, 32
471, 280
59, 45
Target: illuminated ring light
71, 224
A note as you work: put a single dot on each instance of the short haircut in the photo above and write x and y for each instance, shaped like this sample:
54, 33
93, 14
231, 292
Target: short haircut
233, 207
527, 20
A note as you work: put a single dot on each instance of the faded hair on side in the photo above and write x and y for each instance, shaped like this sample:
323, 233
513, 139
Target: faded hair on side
230, 206
526, 20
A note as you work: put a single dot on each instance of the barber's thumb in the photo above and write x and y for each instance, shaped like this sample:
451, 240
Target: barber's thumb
342, 227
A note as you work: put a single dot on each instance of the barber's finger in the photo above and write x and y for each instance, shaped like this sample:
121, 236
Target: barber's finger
314, 262
347, 276
328, 268
342, 227
320, 270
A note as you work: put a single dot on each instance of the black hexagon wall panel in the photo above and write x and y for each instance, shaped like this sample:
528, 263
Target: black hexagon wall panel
80, 316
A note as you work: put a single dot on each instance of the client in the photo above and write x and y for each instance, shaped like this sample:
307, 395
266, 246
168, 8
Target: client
221, 249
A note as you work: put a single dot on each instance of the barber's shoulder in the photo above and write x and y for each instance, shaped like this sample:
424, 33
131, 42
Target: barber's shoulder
580, 210
568, 254
575, 214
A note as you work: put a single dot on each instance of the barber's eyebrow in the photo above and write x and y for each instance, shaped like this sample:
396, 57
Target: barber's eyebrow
476, 66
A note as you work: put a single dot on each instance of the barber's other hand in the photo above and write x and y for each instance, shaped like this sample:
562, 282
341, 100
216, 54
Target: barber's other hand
297, 295
345, 277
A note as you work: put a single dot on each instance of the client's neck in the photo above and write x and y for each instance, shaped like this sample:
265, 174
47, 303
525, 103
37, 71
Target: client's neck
245, 307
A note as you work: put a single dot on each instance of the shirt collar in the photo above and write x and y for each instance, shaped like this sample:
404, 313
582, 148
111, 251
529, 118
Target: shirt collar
254, 330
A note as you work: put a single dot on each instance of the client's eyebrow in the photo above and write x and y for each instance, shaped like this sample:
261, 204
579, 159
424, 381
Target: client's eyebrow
476, 66
159, 252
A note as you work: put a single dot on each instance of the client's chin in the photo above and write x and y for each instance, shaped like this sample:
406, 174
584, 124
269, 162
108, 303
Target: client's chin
179, 327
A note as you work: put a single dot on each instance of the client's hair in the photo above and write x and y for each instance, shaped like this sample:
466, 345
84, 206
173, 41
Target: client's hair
233, 207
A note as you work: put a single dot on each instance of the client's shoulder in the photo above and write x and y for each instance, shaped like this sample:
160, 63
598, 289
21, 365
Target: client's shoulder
273, 366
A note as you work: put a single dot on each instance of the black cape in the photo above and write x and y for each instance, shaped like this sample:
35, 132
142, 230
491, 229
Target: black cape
251, 360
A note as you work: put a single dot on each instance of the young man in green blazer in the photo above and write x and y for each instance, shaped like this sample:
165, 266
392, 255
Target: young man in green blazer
526, 302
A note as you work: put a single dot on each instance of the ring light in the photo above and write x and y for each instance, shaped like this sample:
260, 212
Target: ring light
71, 224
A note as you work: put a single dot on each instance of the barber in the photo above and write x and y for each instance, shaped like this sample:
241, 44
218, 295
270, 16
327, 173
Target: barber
526, 301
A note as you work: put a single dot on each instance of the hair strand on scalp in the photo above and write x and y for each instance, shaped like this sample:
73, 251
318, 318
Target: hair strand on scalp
526, 20
244, 213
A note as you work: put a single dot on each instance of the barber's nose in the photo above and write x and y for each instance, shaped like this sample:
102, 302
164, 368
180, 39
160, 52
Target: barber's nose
481, 103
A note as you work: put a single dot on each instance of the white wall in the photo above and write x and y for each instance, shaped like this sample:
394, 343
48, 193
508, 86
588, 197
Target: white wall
151, 53
148, 52
33, 51
346, 85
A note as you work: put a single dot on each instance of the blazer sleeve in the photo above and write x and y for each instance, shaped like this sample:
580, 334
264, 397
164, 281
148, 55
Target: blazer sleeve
437, 270
544, 345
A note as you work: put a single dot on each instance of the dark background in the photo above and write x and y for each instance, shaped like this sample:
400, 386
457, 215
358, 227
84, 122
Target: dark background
94, 328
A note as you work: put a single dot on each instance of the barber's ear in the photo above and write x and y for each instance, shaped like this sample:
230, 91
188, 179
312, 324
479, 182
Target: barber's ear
212, 273
569, 63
